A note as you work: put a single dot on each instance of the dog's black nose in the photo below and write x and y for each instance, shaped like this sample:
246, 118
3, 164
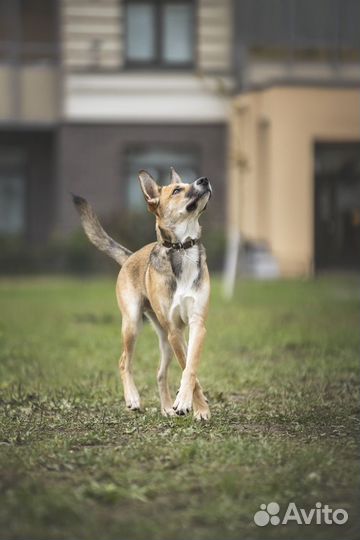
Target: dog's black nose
203, 181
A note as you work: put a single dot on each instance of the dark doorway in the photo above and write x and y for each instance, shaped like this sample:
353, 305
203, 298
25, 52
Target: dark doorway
337, 206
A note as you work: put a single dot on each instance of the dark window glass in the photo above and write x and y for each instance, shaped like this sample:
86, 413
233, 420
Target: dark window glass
159, 33
12, 192
28, 30
7, 30
140, 35
177, 33
38, 21
321, 30
315, 22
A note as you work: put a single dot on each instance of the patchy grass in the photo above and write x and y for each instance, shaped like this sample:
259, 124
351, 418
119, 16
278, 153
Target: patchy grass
281, 371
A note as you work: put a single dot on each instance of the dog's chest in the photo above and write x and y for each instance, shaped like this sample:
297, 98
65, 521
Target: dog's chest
186, 267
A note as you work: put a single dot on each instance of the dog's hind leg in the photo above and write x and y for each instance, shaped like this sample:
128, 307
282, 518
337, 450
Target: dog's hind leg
162, 374
130, 304
129, 334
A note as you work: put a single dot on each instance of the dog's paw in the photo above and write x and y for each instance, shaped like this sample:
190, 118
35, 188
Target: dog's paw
201, 406
132, 398
168, 411
183, 402
202, 413
133, 404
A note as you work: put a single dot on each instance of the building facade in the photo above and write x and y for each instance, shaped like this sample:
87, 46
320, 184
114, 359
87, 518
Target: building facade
144, 86
93, 91
294, 180
29, 118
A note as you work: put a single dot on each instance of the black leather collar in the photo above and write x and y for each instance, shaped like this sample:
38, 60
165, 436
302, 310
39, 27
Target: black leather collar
180, 245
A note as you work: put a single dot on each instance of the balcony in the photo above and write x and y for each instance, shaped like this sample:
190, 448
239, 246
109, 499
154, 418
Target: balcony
306, 43
28, 84
29, 56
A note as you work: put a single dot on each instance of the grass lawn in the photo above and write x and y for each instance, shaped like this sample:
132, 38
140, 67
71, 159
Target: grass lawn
280, 368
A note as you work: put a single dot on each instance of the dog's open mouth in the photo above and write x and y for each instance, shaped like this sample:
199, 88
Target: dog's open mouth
193, 204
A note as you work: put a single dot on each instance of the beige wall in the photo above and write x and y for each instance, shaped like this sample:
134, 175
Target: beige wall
271, 163
39, 94
6, 98
29, 94
214, 36
92, 34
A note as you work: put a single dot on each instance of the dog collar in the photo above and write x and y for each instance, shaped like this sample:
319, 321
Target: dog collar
181, 245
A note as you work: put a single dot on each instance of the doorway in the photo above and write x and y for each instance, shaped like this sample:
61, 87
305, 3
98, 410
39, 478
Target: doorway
337, 206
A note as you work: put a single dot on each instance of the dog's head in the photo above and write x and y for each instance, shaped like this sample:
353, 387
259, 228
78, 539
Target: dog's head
177, 202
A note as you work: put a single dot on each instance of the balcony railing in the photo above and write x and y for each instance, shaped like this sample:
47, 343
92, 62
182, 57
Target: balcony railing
289, 34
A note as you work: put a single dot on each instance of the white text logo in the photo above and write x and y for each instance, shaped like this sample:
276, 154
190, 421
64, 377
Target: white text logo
320, 515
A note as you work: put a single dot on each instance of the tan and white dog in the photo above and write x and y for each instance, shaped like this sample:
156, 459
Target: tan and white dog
168, 281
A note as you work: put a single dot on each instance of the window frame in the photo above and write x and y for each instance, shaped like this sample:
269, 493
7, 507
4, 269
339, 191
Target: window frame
158, 63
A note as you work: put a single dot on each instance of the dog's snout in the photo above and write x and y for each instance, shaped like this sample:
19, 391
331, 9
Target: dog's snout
203, 181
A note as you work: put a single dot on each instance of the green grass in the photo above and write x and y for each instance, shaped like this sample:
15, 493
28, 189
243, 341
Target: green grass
280, 368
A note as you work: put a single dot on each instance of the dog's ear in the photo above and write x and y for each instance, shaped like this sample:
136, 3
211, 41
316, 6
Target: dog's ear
174, 177
150, 190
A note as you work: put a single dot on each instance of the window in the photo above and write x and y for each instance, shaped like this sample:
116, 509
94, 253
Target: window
140, 32
38, 28
12, 192
28, 30
159, 33
158, 160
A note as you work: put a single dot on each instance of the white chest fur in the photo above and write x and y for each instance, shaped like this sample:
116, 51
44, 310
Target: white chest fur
186, 294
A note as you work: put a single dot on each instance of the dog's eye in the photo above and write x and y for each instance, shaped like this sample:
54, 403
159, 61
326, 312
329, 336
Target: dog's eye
176, 190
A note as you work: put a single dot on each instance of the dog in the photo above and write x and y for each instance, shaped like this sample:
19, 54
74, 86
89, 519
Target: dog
168, 282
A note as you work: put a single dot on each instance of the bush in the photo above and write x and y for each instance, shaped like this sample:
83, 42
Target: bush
75, 255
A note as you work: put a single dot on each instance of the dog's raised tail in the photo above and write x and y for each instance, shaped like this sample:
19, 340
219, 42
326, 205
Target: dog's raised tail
96, 233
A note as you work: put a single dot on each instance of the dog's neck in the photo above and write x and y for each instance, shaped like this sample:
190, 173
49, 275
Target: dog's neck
187, 230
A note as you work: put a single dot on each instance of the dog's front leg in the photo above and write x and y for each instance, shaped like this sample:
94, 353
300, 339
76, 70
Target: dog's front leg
184, 399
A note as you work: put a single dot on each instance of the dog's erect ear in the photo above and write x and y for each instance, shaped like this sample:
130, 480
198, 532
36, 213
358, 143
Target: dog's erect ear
175, 178
150, 190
